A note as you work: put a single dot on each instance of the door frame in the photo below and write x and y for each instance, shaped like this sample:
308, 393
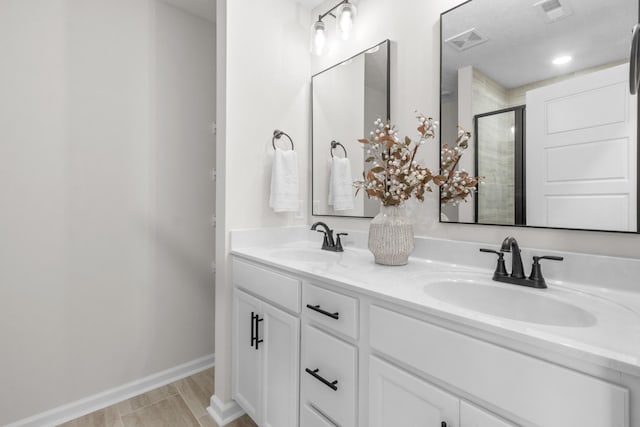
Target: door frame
519, 160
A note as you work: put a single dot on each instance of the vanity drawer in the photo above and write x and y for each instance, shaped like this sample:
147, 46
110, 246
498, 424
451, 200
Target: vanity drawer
330, 359
268, 284
309, 417
331, 309
539, 392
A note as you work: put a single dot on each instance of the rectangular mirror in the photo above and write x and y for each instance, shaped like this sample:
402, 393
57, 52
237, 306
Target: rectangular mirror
347, 99
543, 86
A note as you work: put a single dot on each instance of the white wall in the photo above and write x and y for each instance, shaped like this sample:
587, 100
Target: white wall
185, 103
414, 32
102, 278
263, 85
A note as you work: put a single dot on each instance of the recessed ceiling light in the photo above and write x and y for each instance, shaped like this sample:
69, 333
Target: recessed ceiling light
562, 60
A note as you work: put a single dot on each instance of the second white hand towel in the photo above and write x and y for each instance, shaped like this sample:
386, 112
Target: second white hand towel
284, 181
340, 185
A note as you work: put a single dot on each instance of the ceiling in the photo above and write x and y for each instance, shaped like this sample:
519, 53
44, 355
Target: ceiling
203, 8
522, 41
311, 3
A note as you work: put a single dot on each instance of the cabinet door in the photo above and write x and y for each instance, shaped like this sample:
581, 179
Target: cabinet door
280, 350
472, 416
246, 358
399, 399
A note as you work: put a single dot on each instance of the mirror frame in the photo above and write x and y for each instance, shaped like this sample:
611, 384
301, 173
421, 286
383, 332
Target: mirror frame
476, 167
385, 43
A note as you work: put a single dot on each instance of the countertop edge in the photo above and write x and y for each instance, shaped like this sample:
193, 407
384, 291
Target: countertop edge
497, 331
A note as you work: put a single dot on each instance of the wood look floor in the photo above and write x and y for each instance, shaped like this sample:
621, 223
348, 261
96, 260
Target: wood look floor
181, 404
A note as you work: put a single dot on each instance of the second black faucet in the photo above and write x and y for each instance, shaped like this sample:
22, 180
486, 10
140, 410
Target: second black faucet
517, 276
328, 243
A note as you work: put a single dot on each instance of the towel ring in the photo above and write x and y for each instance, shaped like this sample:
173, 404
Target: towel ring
276, 135
335, 144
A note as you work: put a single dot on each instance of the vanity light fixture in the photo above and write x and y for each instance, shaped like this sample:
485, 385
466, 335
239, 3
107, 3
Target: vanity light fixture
344, 16
561, 60
344, 21
318, 38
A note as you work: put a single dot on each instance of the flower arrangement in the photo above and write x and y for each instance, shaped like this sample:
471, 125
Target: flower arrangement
395, 176
455, 184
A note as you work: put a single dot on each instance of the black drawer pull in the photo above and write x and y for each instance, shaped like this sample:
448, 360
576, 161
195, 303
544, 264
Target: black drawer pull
253, 328
321, 311
332, 385
258, 340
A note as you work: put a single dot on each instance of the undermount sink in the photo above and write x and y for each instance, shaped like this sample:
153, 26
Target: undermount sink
305, 255
510, 302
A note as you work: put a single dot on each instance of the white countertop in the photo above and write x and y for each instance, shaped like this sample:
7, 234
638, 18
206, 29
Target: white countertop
613, 340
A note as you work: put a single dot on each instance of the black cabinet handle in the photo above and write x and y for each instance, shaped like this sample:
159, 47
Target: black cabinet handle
317, 308
331, 384
253, 328
258, 320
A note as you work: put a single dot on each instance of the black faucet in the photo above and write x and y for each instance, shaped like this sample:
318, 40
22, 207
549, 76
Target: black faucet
517, 277
328, 243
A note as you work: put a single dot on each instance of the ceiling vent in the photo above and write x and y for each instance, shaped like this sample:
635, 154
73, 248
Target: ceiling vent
466, 40
553, 10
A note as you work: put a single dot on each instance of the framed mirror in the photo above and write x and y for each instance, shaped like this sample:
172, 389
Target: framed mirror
347, 98
543, 86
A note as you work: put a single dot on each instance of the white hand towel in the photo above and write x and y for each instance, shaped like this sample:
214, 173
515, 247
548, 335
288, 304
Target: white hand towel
284, 181
340, 185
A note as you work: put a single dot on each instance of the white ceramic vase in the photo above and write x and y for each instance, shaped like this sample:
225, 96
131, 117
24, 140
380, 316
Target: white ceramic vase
391, 236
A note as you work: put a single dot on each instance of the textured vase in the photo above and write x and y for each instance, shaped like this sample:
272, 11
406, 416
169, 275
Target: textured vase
391, 236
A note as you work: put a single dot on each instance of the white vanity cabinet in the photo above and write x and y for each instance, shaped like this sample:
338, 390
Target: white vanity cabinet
399, 398
535, 391
266, 346
329, 366
472, 416
330, 356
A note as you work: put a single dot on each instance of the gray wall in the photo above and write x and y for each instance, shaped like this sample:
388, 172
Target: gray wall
106, 201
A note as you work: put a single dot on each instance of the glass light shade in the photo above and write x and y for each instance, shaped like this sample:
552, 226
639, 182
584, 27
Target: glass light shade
561, 60
318, 38
345, 16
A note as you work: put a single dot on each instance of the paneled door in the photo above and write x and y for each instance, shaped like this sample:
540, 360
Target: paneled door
581, 153
399, 399
247, 360
280, 369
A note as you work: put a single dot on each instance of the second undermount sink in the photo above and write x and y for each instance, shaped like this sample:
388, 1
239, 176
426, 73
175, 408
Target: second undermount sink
305, 255
510, 302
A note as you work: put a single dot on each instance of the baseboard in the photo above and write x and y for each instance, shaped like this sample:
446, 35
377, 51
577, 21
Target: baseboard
224, 413
109, 397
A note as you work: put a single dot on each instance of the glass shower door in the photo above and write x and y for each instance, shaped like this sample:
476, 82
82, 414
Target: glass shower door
500, 161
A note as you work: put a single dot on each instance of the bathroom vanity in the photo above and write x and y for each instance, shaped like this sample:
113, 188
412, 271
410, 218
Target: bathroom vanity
324, 339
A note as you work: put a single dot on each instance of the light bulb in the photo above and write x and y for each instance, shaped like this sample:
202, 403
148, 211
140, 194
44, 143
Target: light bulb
345, 16
318, 38
560, 60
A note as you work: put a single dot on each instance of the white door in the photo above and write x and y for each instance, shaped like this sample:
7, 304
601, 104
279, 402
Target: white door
472, 416
280, 350
399, 399
581, 153
246, 369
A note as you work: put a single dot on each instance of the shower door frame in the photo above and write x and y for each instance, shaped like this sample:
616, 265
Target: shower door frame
519, 160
